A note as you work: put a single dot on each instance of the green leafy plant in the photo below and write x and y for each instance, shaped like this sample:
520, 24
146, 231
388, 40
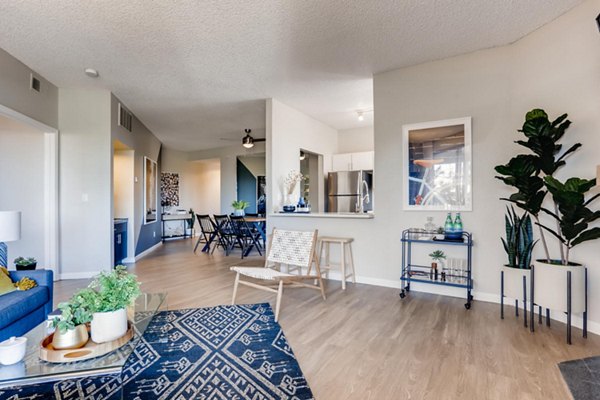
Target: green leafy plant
519, 241
240, 205
532, 175
78, 310
114, 290
572, 214
437, 255
25, 262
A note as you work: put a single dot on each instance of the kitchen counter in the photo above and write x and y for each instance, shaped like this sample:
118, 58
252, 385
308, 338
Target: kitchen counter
325, 215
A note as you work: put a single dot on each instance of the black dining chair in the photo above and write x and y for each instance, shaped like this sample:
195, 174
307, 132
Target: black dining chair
224, 232
245, 236
208, 234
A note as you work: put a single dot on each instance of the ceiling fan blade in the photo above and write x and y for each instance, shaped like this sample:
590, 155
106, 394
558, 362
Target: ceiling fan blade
230, 140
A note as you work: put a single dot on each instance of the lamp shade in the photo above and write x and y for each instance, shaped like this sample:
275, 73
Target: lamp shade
10, 226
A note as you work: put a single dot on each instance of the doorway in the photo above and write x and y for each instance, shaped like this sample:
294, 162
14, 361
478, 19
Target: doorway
29, 160
123, 201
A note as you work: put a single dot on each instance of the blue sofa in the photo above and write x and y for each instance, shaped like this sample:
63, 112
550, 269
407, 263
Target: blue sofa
21, 311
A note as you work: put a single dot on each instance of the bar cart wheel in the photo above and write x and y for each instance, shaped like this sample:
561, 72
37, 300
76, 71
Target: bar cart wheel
468, 305
402, 294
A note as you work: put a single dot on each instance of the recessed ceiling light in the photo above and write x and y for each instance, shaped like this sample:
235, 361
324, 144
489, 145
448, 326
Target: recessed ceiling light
91, 72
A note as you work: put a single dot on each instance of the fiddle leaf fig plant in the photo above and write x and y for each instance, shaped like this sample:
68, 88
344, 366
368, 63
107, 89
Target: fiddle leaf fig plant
573, 215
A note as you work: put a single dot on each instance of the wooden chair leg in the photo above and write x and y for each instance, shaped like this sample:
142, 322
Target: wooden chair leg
343, 266
278, 304
352, 263
197, 243
235, 288
322, 288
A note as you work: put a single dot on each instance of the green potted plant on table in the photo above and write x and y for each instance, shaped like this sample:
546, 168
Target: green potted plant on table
239, 207
532, 174
25, 264
115, 291
71, 329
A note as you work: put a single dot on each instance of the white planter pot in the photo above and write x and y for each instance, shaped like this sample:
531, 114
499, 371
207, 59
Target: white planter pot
513, 282
109, 326
239, 213
550, 286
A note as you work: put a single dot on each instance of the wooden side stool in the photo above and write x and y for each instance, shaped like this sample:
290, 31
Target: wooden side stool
346, 251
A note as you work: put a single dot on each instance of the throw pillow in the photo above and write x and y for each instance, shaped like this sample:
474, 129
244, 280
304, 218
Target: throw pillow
6, 284
26, 283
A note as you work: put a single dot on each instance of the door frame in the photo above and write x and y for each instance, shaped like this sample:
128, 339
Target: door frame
51, 212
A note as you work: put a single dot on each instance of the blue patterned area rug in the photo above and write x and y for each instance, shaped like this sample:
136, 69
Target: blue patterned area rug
226, 352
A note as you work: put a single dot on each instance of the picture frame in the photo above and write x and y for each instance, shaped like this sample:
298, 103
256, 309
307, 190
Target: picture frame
437, 165
150, 191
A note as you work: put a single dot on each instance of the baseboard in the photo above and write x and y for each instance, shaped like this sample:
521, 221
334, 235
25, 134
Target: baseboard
577, 321
147, 251
78, 275
129, 260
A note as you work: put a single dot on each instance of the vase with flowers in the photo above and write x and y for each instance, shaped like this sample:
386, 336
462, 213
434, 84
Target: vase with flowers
292, 179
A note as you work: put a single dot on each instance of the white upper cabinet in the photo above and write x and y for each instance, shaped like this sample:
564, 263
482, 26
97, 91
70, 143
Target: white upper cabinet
341, 162
352, 161
363, 160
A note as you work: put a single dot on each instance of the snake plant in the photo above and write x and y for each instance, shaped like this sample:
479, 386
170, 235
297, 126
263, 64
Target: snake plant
519, 239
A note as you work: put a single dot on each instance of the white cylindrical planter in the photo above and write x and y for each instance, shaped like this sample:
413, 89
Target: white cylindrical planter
513, 282
550, 286
109, 326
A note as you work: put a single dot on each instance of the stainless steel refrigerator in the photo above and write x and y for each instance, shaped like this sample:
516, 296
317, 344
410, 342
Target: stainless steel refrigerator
350, 191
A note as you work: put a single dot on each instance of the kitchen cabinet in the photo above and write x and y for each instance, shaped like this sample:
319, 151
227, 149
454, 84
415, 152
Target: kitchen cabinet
120, 241
352, 161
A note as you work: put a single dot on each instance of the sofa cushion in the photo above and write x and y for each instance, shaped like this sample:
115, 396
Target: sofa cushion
6, 284
17, 304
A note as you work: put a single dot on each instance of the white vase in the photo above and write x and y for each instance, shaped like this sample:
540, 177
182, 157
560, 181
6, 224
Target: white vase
550, 286
109, 326
239, 213
513, 282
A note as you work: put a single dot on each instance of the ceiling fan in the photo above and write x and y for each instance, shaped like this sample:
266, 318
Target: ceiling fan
247, 141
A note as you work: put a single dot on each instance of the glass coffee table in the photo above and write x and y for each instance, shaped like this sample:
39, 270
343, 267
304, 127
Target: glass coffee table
32, 369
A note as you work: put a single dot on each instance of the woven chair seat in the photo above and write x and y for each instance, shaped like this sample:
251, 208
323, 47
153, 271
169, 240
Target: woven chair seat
261, 273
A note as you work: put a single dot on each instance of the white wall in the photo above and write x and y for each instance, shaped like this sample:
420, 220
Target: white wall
257, 165
85, 182
22, 186
356, 140
288, 131
199, 181
227, 157
556, 68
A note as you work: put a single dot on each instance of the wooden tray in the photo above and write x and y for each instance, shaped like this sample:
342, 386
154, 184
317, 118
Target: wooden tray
90, 350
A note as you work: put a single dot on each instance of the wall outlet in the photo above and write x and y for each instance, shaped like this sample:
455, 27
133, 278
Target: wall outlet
153, 234
84, 197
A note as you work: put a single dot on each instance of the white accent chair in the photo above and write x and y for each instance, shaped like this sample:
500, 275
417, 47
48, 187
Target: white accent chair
296, 249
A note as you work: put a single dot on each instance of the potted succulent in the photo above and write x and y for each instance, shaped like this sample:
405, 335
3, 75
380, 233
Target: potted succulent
25, 264
532, 175
436, 256
71, 329
114, 292
239, 206
518, 245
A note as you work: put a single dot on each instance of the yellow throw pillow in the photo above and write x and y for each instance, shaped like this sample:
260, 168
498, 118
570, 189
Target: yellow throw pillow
5, 271
6, 284
26, 283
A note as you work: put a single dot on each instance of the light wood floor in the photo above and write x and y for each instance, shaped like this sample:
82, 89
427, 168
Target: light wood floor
367, 343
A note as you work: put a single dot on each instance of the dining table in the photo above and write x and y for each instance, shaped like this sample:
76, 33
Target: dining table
260, 223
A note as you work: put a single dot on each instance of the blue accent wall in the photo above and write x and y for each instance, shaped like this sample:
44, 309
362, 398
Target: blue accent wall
150, 234
246, 186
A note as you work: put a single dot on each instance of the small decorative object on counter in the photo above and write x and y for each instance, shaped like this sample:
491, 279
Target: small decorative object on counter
12, 350
25, 264
290, 182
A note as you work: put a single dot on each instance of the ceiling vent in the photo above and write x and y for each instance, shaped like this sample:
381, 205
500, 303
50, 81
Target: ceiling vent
34, 83
125, 118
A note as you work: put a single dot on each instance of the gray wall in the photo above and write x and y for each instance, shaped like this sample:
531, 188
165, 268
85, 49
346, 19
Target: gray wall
144, 144
85, 182
16, 94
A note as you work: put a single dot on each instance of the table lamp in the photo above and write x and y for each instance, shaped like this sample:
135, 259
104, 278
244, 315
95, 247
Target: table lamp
10, 230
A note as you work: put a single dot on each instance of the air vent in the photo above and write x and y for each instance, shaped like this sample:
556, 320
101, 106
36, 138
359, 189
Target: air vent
35, 84
125, 118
